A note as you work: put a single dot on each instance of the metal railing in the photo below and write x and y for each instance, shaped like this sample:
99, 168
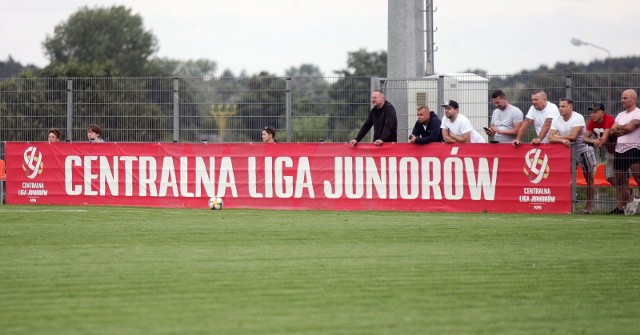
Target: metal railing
301, 109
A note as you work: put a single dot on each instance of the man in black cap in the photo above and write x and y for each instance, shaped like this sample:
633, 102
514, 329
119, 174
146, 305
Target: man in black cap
456, 128
598, 134
382, 118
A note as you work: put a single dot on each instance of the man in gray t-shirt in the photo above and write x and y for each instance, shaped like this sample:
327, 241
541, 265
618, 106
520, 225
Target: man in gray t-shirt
505, 120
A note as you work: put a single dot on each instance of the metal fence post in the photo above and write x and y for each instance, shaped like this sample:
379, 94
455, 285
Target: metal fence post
568, 83
375, 83
574, 195
288, 108
440, 96
176, 110
69, 110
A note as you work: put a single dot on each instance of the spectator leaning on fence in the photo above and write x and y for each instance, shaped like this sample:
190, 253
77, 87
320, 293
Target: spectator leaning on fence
268, 134
456, 128
627, 155
427, 127
382, 118
93, 133
598, 134
54, 135
506, 119
540, 115
568, 129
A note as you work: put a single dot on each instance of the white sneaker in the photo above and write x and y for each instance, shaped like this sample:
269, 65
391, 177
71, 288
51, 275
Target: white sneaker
632, 207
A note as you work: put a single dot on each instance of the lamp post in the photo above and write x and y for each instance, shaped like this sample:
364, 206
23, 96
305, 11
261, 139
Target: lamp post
578, 43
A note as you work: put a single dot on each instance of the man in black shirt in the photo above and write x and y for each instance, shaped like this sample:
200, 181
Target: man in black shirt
427, 128
382, 118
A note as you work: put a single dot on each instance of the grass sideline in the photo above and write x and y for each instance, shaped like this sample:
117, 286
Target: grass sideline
109, 270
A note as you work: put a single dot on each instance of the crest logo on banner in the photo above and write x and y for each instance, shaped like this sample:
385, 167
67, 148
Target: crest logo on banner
32, 162
536, 165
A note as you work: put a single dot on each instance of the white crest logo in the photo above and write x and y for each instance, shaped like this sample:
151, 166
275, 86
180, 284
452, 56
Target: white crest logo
32, 162
536, 167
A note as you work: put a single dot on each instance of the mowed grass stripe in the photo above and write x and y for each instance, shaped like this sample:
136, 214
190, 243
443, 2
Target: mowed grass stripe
96, 270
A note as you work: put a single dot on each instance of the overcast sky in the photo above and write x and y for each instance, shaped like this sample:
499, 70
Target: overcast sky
499, 36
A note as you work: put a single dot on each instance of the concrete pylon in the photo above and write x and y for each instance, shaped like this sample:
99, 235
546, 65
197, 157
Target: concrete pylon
406, 39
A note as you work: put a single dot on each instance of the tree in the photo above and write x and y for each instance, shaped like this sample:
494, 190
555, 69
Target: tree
227, 73
198, 68
362, 63
305, 70
310, 102
350, 105
262, 104
350, 95
309, 90
479, 72
10, 68
100, 41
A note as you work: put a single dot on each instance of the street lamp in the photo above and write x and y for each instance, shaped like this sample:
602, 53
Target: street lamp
578, 43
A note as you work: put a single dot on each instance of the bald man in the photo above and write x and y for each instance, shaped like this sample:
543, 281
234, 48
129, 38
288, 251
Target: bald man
627, 156
382, 118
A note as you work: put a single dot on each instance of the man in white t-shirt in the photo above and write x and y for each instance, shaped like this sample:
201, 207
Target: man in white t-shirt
627, 156
506, 119
568, 128
540, 115
456, 128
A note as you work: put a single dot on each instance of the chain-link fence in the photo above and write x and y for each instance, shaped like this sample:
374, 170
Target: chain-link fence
301, 109
184, 110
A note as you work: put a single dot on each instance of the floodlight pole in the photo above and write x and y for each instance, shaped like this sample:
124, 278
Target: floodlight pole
578, 43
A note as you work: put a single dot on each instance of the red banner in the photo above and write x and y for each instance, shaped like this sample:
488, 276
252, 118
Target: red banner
401, 176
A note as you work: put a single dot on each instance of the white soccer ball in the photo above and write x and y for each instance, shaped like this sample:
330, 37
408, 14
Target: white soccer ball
215, 203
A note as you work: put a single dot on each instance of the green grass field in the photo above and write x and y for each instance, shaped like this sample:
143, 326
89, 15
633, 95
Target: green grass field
99, 270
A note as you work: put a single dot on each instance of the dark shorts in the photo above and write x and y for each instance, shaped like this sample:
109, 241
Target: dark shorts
623, 161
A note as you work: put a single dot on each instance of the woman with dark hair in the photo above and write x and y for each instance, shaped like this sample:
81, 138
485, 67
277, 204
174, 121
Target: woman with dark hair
54, 135
93, 133
268, 134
